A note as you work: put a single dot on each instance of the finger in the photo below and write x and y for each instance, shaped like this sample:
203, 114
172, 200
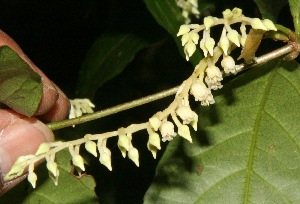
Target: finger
50, 93
19, 135
59, 110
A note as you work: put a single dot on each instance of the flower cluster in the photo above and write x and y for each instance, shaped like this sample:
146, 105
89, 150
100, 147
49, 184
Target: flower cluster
164, 125
189, 7
207, 76
80, 107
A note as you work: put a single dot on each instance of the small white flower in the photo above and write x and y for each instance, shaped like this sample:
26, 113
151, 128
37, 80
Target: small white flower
186, 114
213, 77
189, 7
202, 93
228, 65
167, 131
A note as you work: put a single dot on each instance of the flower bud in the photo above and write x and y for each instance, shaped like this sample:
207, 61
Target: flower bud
224, 44
78, 161
123, 144
269, 24
237, 12
133, 154
155, 123
43, 148
184, 131
194, 123
233, 36
183, 30
227, 14
203, 48
153, 144
189, 49
209, 44
32, 178
91, 147
105, 158
208, 22
185, 38
257, 24
194, 37
52, 167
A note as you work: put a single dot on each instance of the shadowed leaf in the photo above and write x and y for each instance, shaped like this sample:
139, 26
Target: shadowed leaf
20, 87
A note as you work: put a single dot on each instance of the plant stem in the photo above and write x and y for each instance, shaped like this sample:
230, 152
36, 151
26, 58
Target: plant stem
138, 102
112, 110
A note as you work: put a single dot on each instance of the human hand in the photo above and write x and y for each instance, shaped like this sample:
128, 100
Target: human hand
20, 135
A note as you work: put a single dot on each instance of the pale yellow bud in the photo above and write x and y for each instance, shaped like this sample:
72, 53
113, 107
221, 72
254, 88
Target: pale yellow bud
183, 30
52, 167
155, 123
133, 154
208, 22
154, 140
184, 131
43, 148
194, 37
189, 49
91, 147
257, 24
124, 144
194, 123
233, 36
105, 159
237, 12
227, 14
224, 44
78, 161
54, 178
152, 149
203, 48
32, 178
269, 24
210, 44
185, 38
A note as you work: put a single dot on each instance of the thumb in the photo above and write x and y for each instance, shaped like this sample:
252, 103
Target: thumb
19, 136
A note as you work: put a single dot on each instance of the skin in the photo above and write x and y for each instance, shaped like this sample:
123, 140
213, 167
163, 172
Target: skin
20, 135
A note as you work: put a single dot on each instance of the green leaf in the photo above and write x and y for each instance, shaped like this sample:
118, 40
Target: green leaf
248, 146
20, 87
70, 189
168, 15
295, 11
270, 9
107, 57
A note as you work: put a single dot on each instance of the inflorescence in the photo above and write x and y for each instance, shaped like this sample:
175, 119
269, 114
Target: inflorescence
176, 118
